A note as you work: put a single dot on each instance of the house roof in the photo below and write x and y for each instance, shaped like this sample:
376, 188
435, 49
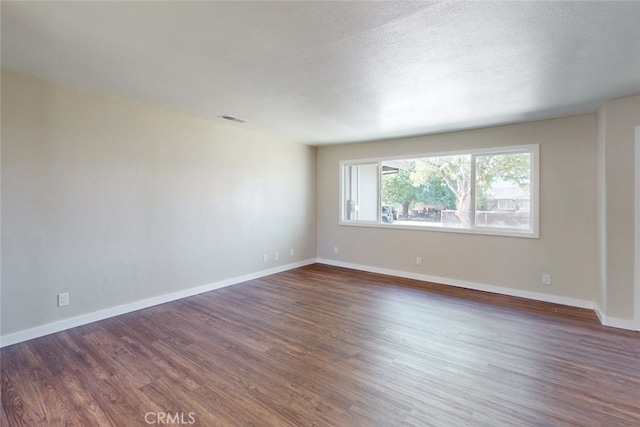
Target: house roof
508, 193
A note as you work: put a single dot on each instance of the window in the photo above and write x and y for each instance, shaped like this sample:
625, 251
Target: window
490, 191
506, 204
361, 192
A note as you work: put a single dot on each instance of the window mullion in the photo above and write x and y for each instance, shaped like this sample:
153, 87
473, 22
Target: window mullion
379, 205
472, 193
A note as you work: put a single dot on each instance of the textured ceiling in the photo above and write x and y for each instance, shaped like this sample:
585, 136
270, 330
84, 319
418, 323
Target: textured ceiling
331, 72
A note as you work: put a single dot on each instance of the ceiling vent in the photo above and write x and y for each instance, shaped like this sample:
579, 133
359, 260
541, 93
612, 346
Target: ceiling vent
233, 119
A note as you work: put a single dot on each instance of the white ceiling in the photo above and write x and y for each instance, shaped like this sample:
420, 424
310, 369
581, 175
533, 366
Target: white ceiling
332, 72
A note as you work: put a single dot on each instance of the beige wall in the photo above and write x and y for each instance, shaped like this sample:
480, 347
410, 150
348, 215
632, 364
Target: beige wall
618, 119
116, 202
567, 247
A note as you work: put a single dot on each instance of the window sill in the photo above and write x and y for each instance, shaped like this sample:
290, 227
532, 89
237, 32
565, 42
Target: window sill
439, 228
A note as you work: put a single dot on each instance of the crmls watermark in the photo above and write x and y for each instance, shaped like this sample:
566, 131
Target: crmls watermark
180, 418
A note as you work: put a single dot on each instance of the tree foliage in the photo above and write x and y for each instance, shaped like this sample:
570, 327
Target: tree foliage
397, 188
435, 193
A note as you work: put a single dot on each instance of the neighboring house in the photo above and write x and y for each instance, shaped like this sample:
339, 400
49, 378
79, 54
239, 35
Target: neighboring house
509, 198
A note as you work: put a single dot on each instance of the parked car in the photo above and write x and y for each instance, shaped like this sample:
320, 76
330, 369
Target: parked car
388, 214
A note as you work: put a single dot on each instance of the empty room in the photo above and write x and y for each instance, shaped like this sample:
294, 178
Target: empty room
317, 213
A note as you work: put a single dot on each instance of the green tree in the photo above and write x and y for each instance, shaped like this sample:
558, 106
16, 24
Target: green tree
512, 168
435, 192
455, 172
398, 188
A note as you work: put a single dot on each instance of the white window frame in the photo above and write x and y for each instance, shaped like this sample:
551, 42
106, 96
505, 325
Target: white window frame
343, 208
532, 232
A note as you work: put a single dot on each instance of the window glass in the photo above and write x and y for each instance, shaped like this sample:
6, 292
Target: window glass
503, 197
429, 191
361, 192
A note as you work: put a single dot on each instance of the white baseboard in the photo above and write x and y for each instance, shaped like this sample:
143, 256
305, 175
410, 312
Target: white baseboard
573, 302
84, 319
615, 322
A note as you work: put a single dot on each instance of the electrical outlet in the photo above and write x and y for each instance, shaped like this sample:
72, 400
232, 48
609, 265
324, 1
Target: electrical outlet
546, 279
418, 260
291, 252
265, 257
63, 299
277, 256
335, 249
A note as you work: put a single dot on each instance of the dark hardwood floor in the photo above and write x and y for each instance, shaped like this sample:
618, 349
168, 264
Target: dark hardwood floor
326, 346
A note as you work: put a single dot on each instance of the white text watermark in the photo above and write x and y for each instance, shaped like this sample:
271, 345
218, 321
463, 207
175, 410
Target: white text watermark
180, 418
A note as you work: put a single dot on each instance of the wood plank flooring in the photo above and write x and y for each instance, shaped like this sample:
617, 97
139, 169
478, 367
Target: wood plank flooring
326, 346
